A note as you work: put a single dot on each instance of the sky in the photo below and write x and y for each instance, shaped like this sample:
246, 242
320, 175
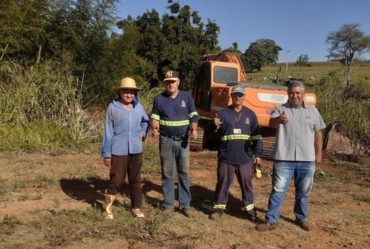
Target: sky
297, 26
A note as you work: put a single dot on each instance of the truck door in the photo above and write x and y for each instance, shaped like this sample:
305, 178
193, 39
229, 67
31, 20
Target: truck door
202, 94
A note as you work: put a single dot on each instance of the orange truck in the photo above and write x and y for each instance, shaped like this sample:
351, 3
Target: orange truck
215, 76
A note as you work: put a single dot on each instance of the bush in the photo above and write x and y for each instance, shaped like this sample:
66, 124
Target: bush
40, 108
348, 106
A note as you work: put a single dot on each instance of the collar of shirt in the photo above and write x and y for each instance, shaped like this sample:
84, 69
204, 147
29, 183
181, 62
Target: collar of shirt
290, 106
117, 103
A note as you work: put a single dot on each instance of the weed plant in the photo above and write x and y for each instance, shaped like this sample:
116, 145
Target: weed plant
151, 157
40, 109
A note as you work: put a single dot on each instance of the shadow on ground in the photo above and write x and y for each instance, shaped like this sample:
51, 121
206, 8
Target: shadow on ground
202, 199
91, 190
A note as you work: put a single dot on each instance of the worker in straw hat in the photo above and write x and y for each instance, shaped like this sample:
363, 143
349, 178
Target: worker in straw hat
126, 124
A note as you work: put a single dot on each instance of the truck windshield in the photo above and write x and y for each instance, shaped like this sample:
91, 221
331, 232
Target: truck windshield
225, 74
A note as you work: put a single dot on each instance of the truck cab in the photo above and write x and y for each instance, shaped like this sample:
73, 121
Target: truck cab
212, 75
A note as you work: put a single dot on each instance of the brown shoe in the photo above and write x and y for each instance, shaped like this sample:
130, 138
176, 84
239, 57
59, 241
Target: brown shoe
216, 215
167, 211
188, 212
265, 227
303, 224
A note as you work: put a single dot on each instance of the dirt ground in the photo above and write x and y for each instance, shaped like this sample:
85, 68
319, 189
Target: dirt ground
34, 186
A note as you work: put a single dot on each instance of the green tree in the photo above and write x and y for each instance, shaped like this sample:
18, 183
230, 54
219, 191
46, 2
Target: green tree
303, 60
174, 41
130, 61
82, 29
22, 25
346, 44
186, 40
260, 53
233, 49
150, 45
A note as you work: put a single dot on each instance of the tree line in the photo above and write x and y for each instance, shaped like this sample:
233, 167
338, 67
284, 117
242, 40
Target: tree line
86, 38
59, 57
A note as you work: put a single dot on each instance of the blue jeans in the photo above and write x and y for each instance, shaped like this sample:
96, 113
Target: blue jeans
283, 171
175, 154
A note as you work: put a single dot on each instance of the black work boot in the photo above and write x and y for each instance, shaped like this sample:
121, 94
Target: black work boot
252, 215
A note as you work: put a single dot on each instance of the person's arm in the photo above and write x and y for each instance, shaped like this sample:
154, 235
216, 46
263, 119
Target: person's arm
155, 127
318, 146
107, 138
194, 117
193, 133
217, 121
276, 121
155, 117
144, 125
256, 137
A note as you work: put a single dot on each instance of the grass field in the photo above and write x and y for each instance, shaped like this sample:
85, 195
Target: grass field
315, 73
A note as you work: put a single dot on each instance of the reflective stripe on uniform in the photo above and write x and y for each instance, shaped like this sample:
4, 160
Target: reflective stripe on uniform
174, 123
193, 114
248, 207
235, 137
155, 116
219, 206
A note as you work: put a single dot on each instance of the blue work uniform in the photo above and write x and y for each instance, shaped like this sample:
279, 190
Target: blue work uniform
174, 116
240, 141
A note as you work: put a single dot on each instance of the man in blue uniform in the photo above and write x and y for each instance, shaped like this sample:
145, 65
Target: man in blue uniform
241, 146
174, 120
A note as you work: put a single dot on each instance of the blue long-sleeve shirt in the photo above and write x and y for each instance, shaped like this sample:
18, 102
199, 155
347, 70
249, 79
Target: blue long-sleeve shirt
123, 128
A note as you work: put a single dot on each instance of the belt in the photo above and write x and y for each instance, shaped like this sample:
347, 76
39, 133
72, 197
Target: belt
177, 138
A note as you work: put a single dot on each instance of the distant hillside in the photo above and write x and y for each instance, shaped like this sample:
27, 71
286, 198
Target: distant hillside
312, 73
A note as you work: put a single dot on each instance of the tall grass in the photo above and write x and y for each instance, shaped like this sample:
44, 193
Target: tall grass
40, 109
146, 97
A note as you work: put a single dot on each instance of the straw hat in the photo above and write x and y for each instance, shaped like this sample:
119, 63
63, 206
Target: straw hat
126, 83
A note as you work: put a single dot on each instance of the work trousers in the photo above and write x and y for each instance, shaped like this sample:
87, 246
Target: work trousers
175, 156
225, 177
130, 165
